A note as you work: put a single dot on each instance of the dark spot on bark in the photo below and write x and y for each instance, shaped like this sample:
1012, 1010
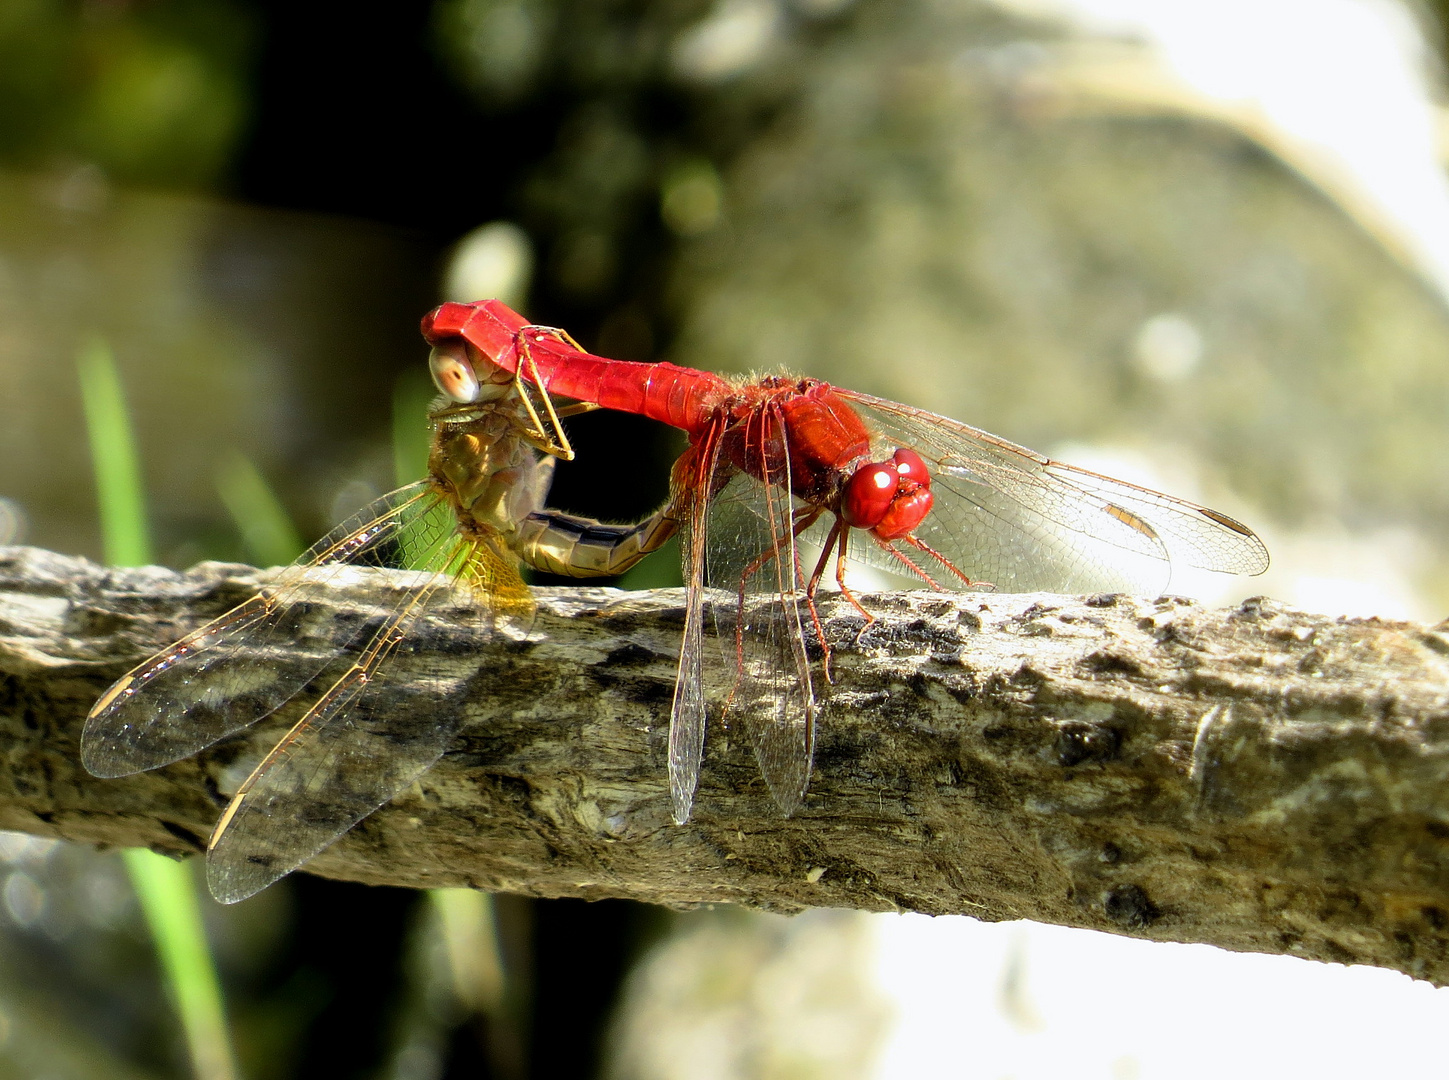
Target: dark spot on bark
1027, 676
629, 654
212, 790
1438, 830
643, 691
1252, 607
9, 693
1434, 917
1129, 906
996, 731
1039, 609
970, 620
1078, 742
85, 620
185, 835
1104, 662
963, 691
1108, 599
1110, 853
913, 632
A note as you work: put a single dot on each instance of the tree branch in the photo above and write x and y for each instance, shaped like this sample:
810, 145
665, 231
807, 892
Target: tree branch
1255, 778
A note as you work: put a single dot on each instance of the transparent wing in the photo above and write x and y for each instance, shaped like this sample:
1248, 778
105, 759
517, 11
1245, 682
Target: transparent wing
369, 733
688, 716
354, 745
1008, 516
766, 620
226, 676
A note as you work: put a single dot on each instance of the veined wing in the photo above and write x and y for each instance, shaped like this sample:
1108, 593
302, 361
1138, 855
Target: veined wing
225, 676
764, 616
367, 735
688, 715
1022, 522
272, 654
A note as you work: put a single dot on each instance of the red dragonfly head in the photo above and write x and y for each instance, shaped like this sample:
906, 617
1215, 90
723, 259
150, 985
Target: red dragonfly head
890, 498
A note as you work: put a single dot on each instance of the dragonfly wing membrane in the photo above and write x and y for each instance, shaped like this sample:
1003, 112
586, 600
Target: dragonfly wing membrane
755, 562
360, 745
1195, 535
1022, 522
688, 715
246, 664
365, 738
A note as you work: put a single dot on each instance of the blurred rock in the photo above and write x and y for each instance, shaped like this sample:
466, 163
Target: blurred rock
736, 995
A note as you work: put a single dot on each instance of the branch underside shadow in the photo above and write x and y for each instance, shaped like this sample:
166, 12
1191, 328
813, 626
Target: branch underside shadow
1254, 778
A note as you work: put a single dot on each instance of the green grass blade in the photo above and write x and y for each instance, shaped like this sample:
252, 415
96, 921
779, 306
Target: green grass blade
471, 936
125, 535
165, 889
411, 396
267, 531
168, 898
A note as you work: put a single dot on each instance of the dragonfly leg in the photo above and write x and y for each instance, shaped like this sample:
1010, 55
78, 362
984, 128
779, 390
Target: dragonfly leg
921, 545
912, 567
803, 521
553, 332
840, 578
535, 436
578, 408
558, 444
804, 518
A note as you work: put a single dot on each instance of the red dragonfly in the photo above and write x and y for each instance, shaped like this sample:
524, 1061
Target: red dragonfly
351, 741
783, 459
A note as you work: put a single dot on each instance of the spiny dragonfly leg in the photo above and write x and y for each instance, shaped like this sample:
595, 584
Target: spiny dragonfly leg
890, 546
578, 408
921, 545
804, 518
558, 445
840, 557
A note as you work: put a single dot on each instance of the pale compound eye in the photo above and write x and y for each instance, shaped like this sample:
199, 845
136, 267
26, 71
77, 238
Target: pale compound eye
452, 373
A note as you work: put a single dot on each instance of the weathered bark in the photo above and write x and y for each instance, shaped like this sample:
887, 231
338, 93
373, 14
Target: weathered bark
1254, 778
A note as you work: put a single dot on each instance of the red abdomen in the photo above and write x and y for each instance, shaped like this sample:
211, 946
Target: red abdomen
681, 397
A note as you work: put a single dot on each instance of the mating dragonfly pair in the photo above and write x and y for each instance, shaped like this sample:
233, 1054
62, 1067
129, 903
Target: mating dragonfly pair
774, 467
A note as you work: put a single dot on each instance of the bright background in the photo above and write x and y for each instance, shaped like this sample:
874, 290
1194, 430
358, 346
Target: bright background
1204, 245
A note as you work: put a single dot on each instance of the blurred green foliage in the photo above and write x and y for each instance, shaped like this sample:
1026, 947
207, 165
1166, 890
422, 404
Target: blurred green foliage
151, 93
166, 889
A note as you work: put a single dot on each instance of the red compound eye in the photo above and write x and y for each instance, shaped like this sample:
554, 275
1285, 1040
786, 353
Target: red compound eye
910, 467
912, 500
868, 494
